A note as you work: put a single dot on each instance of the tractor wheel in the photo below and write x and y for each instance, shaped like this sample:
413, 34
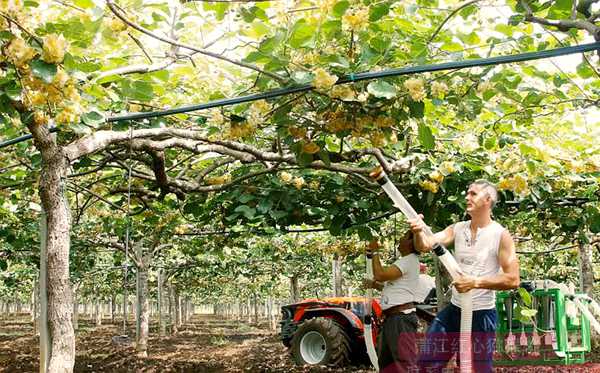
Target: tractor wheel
321, 341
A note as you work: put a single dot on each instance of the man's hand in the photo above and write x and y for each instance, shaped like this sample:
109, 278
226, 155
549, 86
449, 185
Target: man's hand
368, 283
465, 283
417, 225
373, 246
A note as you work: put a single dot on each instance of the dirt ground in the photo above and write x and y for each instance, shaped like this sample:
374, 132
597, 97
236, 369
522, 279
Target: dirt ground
206, 344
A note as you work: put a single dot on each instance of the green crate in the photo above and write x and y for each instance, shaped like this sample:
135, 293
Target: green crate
562, 340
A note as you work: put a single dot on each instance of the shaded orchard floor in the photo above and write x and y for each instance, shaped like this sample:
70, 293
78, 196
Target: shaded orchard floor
206, 344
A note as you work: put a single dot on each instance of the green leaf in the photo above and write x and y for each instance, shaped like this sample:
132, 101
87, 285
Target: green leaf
380, 88
14, 92
137, 90
246, 198
340, 8
302, 34
452, 47
3, 265
515, 19
416, 108
584, 70
527, 312
43, 70
335, 228
426, 137
324, 155
93, 118
364, 232
525, 296
378, 11
265, 205
84, 3
595, 223
248, 211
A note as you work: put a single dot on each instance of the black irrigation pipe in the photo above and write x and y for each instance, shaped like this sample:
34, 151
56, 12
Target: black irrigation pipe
351, 78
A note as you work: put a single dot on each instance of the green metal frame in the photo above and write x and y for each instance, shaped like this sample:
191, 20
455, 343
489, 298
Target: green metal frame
564, 340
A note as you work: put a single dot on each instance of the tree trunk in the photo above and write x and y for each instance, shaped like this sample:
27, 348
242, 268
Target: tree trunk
586, 270
173, 309
35, 310
337, 276
98, 312
58, 221
255, 304
442, 283
75, 310
294, 291
162, 327
113, 307
142, 311
178, 318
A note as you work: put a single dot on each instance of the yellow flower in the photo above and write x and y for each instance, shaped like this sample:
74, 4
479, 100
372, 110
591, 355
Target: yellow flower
429, 185
54, 48
181, 229
61, 78
377, 139
116, 25
339, 198
326, 5
310, 148
314, 185
439, 89
286, 177
436, 176
357, 19
447, 168
416, 89
383, 121
343, 92
323, 80
19, 52
299, 182
219, 180
297, 132
66, 116
40, 118
484, 86
216, 117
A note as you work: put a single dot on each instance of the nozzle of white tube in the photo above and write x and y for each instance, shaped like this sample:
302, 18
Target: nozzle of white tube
449, 262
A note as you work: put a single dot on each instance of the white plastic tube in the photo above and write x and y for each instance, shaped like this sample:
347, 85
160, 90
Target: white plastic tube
583, 308
449, 262
368, 331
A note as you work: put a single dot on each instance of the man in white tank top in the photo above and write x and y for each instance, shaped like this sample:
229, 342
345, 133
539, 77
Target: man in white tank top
485, 252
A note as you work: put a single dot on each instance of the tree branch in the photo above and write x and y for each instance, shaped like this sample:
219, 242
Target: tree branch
141, 29
439, 28
563, 24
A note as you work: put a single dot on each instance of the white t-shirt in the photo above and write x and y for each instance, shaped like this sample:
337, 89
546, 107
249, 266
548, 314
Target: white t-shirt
401, 290
479, 258
424, 286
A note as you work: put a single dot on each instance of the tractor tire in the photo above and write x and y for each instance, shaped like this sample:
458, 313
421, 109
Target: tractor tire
321, 341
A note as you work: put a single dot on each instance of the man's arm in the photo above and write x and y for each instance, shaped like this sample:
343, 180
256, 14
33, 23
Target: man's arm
508, 279
387, 273
424, 243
